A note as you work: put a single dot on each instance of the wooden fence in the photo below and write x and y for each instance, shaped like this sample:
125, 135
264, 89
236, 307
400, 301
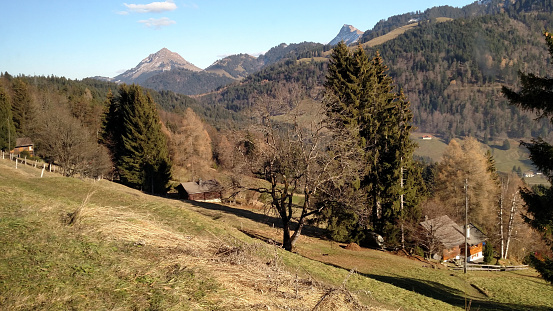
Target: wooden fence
34, 163
484, 267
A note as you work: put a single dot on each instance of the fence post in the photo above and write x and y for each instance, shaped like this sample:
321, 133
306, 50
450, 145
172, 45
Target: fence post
42, 173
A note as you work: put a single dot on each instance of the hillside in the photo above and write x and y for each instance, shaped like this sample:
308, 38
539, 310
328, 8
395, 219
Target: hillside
451, 70
79, 244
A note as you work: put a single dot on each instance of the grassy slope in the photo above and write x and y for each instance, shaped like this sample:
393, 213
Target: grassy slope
504, 159
396, 32
128, 250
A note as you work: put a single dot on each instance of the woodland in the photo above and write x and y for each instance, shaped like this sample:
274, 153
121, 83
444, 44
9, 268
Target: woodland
347, 165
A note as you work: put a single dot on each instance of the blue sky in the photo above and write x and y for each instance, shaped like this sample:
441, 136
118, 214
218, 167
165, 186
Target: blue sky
82, 38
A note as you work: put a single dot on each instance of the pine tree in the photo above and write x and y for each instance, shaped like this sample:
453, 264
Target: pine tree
22, 107
7, 128
536, 95
111, 130
132, 132
361, 101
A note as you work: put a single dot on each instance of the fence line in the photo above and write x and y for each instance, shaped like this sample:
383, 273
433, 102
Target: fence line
479, 267
51, 167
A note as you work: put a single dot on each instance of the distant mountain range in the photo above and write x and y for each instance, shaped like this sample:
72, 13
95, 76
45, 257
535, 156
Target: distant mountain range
167, 70
450, 62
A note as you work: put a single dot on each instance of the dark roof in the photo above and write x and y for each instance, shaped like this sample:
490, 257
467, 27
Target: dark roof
451, 234
23, 141
201, 186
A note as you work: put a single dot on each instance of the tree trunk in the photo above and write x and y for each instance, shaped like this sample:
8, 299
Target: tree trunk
287, 242
502, 236
510, 227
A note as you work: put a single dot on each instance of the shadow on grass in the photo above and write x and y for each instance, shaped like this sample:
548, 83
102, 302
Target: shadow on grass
260, 218
449, 295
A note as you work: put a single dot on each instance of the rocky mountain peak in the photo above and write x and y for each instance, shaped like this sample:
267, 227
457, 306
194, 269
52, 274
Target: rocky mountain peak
162, 60
348, 34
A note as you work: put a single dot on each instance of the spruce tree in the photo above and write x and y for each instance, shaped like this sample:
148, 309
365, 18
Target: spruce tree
132, 132
536, 95
22, 107
361, 99
7, 128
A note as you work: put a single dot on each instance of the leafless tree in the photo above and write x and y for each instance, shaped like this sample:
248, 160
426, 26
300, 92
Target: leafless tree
295, 159
64, 140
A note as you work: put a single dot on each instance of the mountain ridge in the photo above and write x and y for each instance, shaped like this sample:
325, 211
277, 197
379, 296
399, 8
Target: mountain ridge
348, 34
161, 61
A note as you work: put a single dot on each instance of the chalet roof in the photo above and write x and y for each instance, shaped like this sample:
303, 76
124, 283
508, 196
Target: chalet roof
451, 234
201, 187
23, 141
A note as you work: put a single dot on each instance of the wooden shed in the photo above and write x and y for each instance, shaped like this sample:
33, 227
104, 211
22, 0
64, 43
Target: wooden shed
24, 144
203, 190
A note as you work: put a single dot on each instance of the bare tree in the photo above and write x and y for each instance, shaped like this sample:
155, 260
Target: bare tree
64, 140
295, 160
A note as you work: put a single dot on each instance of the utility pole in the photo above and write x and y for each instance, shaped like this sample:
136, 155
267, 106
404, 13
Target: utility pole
9, 136
401, 207
466, 223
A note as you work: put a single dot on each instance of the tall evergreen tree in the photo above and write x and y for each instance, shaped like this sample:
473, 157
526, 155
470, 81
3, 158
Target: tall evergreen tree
361, 98
7, 128
536, 95
22, 107
132, 131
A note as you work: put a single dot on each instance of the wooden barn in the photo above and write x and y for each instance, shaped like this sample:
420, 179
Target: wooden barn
452, 238
203, 190
24, 144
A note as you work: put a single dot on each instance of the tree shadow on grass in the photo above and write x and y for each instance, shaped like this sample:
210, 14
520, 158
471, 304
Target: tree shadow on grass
448, 294
259, 217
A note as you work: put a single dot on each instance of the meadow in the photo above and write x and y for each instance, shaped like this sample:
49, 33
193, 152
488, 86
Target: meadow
67, 243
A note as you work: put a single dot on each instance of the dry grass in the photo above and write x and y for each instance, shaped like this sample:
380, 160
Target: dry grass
128, 250
125, 250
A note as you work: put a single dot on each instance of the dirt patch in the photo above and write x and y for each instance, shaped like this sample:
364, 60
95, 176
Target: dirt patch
353, 247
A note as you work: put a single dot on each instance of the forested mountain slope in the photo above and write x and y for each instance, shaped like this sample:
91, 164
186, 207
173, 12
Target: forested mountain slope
451, 72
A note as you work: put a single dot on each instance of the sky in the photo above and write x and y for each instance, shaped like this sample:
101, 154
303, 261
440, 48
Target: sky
84, 38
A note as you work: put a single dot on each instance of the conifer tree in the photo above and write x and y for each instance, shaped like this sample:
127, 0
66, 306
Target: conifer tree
132, 132
361, 99
7, 128
22, 107
536, 95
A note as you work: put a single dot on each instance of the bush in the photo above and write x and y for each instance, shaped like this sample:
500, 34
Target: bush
488, 253
506, 145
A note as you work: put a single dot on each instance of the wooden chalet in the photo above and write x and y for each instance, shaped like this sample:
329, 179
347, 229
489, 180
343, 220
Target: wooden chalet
452, 238
203, 190
24, 144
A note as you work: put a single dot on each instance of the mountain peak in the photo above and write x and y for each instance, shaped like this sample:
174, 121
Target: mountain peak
162, 60
348, 34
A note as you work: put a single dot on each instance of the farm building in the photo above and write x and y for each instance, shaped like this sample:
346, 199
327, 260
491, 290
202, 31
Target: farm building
452, 238
203, 190
24, 144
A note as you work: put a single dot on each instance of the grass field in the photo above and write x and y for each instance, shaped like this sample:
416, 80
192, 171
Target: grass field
505, 160
84, 245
